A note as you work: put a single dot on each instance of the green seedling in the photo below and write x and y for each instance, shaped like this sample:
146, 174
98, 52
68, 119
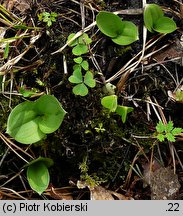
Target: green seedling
110, 102
82, 82
100, 128
30, 121
48, 18
38, 174
80, 45
120, 32
167, 131
155, 20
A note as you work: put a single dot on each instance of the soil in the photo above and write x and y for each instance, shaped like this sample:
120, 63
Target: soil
110, 153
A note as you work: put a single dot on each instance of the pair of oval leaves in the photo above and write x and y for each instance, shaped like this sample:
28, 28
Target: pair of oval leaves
30, 121
125, 32
121, 32
155, 20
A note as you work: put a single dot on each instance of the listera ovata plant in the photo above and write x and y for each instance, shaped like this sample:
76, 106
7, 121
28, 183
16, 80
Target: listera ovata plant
121, 32
156, 21
124, 32
30, 121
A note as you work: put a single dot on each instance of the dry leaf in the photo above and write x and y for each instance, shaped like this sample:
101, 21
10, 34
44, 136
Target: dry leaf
23, 5
9, 4
99, 193
60, 194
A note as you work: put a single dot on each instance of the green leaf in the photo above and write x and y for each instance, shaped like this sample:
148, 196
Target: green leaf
80, 89
27, 93
164, 25
38, 177
29, 121
49, 23
77, 67
40, 16
152, 13
46, 14
169, 126
73, 43
22, 124
48, 162
6, 51
170, 137
84, 39
76, 77
176, 131
179, 95
53, 14
109, 24
51, 113
88, 79
161, 137
85, 65
160, 128
80, 49
78, 60
128, 35
110, 102
123, 111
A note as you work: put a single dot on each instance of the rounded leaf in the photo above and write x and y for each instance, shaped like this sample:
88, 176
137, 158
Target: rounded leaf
50, 123
84, 39
128, 35
78, 60
30, 121
85, 65
152, 13
76, 77
109, 23
80, 49
38, 177
74, 42
165, 25
52, 113
88, 79
22, 124
80, 89
110, 102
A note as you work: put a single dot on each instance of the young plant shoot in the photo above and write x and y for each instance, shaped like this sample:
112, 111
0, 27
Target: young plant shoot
110, 102
120, 32
30, 121
38, 174
155, 20
167, 131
